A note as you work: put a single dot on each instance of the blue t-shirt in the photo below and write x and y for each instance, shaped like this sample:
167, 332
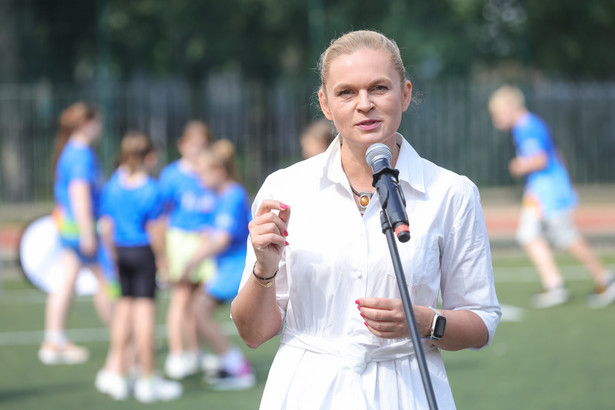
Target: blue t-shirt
130, 208
232, 216
551, 186
77, 162
188, 202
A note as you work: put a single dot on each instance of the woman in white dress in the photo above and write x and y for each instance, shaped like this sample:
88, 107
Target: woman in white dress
319, 272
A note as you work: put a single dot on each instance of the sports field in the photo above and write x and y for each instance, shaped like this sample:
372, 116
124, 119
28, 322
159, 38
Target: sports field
560, 358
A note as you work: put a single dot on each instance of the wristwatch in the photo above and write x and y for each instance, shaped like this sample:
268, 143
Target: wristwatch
437, 326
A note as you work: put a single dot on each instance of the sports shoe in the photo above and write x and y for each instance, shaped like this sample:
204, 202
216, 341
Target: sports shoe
210, 364
69, 353
180, 366
603, 296
155, 388
225, 380
112, 384
550, 298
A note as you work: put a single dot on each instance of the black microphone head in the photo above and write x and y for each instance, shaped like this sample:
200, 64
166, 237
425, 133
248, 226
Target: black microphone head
376, 153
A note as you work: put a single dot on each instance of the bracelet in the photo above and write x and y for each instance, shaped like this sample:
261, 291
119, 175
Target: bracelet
261, 278
265, 285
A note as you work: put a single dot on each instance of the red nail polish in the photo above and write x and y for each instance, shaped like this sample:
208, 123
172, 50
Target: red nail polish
359, 307
362, 315
283, 206
286, 242
285, 232
365, 323
356, 301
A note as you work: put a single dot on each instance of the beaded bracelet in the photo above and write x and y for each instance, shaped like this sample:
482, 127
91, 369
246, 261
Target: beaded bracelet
268, 280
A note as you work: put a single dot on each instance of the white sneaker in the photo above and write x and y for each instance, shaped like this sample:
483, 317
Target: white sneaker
550, 298
603, 296
210, 364
69, 353
112, 384
156, 388
225, 380
180, 366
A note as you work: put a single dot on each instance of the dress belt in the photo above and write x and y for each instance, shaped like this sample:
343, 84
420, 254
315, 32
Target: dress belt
355, 355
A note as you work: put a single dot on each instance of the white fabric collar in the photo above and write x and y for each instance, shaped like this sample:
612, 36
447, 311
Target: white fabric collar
409, 164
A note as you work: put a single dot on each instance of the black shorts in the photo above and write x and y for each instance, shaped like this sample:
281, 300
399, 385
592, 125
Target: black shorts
137, 271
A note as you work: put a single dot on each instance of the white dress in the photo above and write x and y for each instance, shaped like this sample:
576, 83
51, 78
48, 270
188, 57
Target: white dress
327, 358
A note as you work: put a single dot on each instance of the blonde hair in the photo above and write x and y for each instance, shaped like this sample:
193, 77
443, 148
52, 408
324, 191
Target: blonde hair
508, 96
221, 154
355, 40
71, 119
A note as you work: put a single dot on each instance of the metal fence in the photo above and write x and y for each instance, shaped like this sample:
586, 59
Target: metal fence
449, 125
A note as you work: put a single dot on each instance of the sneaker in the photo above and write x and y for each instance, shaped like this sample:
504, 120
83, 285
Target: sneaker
180, 366
69, 353
225, 380
550, 298
155, 388
210, 364
603, 296
112, 384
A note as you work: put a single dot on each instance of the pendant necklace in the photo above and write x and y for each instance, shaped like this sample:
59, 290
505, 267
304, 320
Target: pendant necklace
364, 198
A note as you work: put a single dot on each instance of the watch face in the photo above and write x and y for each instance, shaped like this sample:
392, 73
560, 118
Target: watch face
438, 330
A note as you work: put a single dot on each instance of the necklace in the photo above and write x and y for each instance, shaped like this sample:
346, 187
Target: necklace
364, 198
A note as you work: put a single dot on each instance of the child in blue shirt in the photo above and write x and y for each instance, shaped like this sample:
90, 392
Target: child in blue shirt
548, 202
226, 241
78, 179
131, 209
189, 206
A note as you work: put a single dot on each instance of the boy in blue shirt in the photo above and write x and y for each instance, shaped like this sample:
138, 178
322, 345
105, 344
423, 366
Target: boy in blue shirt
548, 202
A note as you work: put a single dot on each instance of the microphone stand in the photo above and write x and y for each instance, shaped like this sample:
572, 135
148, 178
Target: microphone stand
405, 298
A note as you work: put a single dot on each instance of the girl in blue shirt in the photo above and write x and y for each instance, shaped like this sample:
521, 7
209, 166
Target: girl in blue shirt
189, 206
78, 179
131, 209
226, 241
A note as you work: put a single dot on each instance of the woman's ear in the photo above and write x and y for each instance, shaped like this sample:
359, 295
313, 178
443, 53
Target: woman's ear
324, 106
406, 94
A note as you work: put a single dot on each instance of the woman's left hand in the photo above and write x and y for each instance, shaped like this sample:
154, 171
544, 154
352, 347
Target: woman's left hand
385, 317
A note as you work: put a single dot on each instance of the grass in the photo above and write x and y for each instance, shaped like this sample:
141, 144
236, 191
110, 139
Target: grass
559, 358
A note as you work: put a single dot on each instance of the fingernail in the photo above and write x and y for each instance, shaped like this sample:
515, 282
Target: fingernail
365, 323
356, 301
359, 307
286, 242
285, 232
283, 206
362, 315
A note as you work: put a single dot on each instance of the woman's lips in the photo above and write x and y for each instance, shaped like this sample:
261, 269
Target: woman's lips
368, 124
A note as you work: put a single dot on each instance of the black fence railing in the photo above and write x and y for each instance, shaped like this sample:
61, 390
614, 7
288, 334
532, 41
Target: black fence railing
449, 126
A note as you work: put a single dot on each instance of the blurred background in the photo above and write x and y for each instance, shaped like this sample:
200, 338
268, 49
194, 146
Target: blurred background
248, 68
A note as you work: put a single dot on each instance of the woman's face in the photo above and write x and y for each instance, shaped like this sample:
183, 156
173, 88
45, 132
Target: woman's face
365, 97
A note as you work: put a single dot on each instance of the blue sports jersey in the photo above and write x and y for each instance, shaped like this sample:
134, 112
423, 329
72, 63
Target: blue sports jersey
130, 208
77, 162
551, 186
189, 204
232, 216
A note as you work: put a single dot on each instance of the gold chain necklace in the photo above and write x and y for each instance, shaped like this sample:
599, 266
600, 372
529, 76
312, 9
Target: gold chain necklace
364, 198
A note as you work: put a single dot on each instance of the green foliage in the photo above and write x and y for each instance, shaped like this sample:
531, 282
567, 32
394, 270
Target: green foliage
67, 40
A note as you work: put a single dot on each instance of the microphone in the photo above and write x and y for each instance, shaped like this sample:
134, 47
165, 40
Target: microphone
385, 179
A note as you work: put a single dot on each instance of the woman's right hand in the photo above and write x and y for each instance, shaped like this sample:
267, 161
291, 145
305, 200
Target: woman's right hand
268, 235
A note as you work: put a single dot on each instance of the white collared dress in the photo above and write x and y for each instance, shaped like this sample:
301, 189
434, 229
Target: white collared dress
327, 357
